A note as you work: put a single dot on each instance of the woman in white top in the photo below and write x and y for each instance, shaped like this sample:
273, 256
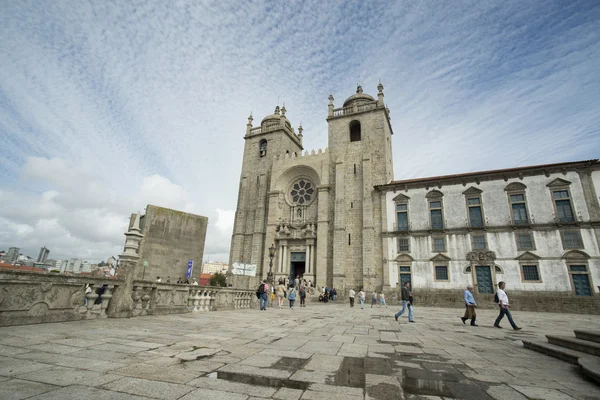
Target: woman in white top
361, 298
279, 294
382, 300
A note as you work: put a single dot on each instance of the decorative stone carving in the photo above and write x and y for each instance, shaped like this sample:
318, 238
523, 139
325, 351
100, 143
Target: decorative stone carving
482, 255
558, 183
515, 186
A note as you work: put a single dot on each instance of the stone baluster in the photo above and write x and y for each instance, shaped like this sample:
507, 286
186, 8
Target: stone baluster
243, 296
190, 299
205, 303
236, 300
91, 298
137, 300
196, 299
201, 301
106, 296
210, 300
145, 301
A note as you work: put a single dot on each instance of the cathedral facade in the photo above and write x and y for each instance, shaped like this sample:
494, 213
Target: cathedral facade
338, 218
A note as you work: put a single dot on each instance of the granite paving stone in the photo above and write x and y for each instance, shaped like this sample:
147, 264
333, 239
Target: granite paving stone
209, 394
148, 388
305, 354
288, 394
234, 387
77, 392
16, 389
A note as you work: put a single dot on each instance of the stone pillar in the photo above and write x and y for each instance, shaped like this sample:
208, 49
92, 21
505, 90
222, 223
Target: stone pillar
321, 254
122, 304
384, 242
280, 259
308, 253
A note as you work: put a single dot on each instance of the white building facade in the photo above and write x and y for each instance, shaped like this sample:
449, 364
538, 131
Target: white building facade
535, 228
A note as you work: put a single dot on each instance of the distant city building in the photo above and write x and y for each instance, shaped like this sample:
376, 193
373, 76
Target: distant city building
211, 268
71, 266
43, 256
12, 255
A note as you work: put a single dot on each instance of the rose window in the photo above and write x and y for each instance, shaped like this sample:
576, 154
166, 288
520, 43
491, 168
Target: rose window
302, 192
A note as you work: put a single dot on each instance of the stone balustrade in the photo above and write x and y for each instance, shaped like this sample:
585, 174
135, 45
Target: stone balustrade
30, 298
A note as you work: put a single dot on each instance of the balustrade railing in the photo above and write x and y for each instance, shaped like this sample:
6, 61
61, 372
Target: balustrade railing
338, 112
30, 297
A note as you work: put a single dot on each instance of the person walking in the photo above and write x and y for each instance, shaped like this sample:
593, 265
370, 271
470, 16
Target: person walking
292, 296
279, 294
302, 293
373, 299
406, 295
261, 293
361, 298
382, 300
504, 308
470, 305
351, 295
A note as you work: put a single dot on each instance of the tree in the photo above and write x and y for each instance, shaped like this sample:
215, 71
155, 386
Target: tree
218, 279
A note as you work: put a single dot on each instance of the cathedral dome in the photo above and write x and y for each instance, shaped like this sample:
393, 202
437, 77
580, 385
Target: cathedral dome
358, 98
276, 116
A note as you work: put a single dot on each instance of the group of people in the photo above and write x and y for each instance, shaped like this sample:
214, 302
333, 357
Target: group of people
377, 299
180, 281
284, 289
328, 294
500, 297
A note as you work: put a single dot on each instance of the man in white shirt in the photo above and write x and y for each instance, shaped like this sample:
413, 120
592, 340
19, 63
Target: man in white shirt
504, 308
351, 296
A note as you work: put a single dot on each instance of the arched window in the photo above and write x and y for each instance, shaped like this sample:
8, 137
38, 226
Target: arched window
263, 148
355, 131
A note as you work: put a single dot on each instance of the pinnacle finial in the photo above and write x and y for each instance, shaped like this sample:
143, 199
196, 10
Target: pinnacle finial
250, 119
380, 87
330, 98
283, 110
300, 129
277, 110
358, 88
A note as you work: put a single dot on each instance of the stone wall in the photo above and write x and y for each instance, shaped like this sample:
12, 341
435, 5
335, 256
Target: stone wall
562, 302
171, 238
32, 298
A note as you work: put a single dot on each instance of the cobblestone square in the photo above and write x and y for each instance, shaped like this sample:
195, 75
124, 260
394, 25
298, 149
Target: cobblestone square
322, 351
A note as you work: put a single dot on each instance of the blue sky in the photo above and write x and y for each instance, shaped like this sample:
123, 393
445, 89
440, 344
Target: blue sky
107, 106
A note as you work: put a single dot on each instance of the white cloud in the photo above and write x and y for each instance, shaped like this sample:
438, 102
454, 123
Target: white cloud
105, 108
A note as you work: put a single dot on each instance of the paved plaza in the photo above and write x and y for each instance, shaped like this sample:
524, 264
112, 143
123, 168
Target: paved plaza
323, 351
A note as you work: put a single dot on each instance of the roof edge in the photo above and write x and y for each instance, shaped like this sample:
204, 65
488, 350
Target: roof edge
506, 173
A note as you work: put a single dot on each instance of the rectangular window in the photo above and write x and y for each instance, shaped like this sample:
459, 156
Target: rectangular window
435, 209
572, 240
441, 273
402, 216
479, 242
525, 241
530, 273
564, 211
475, 212
403, 245
439, 244
519, 210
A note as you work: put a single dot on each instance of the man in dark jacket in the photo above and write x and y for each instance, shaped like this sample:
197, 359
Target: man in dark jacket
406, 295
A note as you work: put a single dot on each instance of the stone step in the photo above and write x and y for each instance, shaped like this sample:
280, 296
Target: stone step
591, 367
590, 336
572, 343
568, 355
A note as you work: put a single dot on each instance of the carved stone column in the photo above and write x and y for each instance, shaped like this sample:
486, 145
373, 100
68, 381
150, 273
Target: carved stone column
121, 305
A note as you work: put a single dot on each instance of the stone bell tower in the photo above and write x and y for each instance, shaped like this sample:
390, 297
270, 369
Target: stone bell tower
275, 135
360, 157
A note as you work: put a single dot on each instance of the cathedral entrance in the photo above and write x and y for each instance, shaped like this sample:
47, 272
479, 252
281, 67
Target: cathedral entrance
297, 264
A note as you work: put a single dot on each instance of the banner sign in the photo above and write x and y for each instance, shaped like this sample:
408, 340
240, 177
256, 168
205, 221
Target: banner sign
190, 267
244, 269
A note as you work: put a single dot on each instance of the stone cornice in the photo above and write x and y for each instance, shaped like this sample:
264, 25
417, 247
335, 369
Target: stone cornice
495, 229
500, 174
